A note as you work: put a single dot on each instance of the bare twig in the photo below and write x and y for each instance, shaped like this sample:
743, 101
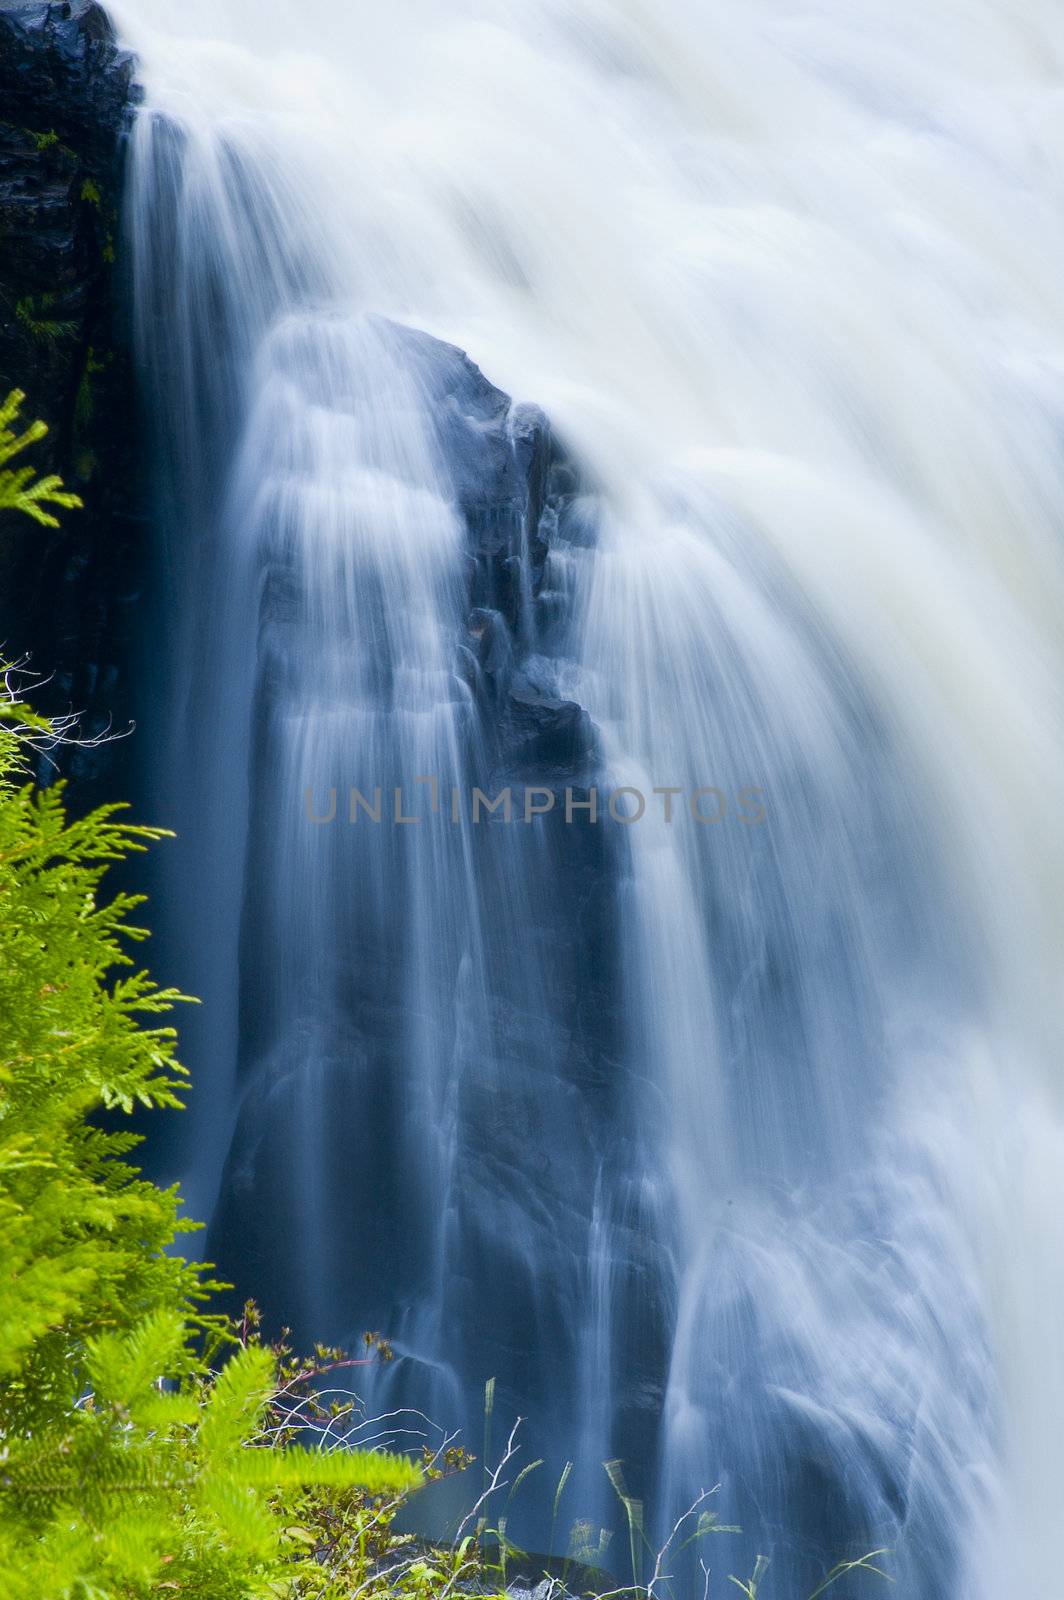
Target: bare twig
495, 1482
658, 1576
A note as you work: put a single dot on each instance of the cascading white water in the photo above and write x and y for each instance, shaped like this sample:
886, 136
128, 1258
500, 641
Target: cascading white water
786, 281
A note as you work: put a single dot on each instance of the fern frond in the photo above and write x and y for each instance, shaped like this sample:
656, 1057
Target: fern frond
20, 488
239, 1394
123, 1368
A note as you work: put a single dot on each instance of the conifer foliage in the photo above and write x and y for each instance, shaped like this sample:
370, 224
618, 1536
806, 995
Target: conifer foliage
20, 487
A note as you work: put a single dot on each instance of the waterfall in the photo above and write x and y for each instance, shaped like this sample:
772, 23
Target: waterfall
726, 1137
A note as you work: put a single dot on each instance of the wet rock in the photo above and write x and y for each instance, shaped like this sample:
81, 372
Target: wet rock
498, 458
491, 642
67, 596
553, 737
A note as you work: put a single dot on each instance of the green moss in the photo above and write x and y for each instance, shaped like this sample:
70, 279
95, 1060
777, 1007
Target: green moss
44, 141
85, 400
91, 193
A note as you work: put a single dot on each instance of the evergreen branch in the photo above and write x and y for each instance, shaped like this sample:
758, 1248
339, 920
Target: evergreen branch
20, 488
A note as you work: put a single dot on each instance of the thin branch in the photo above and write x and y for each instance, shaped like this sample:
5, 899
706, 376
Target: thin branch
493, 1484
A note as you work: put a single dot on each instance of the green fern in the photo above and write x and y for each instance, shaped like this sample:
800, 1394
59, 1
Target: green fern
44, 329
20, 488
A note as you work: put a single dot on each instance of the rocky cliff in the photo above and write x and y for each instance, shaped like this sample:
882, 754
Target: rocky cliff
67, 597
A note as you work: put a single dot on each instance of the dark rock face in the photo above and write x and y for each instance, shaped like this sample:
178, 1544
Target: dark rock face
67, 596
552, 739
335, 1118
498, 457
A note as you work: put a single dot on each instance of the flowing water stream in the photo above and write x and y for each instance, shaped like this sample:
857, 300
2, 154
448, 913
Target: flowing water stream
733, 1149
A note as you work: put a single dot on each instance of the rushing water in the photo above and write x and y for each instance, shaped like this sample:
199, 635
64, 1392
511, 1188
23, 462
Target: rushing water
731, 1149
